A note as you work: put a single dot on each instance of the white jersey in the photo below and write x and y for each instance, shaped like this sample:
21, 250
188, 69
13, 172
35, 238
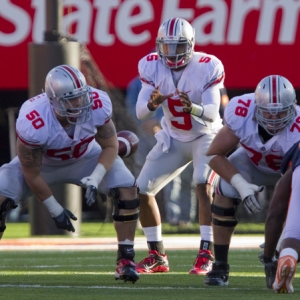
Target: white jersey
201, 79
37, 126
267, 157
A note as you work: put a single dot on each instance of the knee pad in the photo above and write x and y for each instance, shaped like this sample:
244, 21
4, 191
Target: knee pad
221, 214
124, 204
5, 207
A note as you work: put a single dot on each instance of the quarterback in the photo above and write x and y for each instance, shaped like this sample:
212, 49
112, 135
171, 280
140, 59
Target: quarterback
186, 86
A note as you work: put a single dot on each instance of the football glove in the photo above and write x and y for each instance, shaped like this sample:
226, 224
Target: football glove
63, 220
92, 182
247, 192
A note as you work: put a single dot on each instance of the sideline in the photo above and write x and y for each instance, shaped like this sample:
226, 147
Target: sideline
171, 243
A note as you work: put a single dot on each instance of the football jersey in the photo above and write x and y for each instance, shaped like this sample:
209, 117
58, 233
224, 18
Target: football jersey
203, 72
240, 117
37, 126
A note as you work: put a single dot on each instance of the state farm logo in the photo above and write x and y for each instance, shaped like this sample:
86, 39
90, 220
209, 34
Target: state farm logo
134, 22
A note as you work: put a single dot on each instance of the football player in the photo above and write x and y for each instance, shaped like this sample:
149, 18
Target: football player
66, 135
284, 212
186, 86
266, 124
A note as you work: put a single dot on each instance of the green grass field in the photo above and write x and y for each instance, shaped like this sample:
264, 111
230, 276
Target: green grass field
89, 275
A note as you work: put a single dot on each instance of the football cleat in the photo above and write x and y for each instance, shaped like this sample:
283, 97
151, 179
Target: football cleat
126, 271
154, 263
218, 275
285, 274
203, 263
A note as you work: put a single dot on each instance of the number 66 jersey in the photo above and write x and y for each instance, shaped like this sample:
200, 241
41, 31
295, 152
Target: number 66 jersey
240, 118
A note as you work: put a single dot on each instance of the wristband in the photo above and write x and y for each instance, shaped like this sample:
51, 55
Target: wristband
197, 110
241, 185
98, 173
54, 208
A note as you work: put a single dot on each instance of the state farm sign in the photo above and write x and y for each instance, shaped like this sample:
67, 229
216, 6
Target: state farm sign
253, 38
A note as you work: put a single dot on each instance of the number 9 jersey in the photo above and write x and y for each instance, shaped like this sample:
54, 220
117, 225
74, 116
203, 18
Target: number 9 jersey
201, 79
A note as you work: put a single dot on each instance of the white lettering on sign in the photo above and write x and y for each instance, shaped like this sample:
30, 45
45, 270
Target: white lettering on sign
102, 24
239, 11
39, 24
125, 21
114, 20
21, 21
83, 24
289, 21
217, 17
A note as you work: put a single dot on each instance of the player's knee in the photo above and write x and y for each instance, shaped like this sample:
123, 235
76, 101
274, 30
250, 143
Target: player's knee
226, 217
131, 206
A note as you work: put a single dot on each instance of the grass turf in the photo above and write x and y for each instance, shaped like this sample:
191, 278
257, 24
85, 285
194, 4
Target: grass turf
89, 275
100, 229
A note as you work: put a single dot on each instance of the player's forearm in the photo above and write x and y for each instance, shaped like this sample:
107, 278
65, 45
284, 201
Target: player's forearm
108, 156
223, 167
38, 187
143, 110
210, 112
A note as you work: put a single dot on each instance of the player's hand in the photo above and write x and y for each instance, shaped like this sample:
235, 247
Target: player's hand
91, 195
270, 271
156, 98
63, 220
185, 101
91, 189
251, 204
92, 182
247, 192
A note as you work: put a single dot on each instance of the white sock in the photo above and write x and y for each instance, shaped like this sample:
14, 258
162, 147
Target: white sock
126, 242
153, 234
206, 233
289, 251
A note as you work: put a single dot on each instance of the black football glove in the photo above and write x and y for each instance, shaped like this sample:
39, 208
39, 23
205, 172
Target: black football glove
63, 220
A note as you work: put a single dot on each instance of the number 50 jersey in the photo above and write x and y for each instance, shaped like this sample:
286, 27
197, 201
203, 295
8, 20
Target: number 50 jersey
38, 127
240, 117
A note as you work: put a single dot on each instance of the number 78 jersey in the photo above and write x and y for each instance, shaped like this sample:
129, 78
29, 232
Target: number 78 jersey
240, 118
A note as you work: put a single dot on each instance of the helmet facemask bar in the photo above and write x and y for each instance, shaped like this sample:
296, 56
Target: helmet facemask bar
274, 125
174, 53
275, 100
76, 107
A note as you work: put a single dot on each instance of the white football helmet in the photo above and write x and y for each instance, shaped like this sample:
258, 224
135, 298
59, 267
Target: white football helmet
275, 99
175, 42
69, 94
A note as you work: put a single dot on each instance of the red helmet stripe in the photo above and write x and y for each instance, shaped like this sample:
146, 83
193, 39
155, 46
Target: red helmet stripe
73, 75
172, 27
274, 89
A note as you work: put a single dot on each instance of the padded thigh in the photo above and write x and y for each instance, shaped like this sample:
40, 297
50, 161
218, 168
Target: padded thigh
12, 183
249, 171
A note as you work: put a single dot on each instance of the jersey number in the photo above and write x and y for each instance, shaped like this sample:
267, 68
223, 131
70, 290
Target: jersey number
243, 109
70, 152
186, 123
273, 161
37, 121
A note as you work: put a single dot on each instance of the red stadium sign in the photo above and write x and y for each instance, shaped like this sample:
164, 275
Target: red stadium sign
253, 38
